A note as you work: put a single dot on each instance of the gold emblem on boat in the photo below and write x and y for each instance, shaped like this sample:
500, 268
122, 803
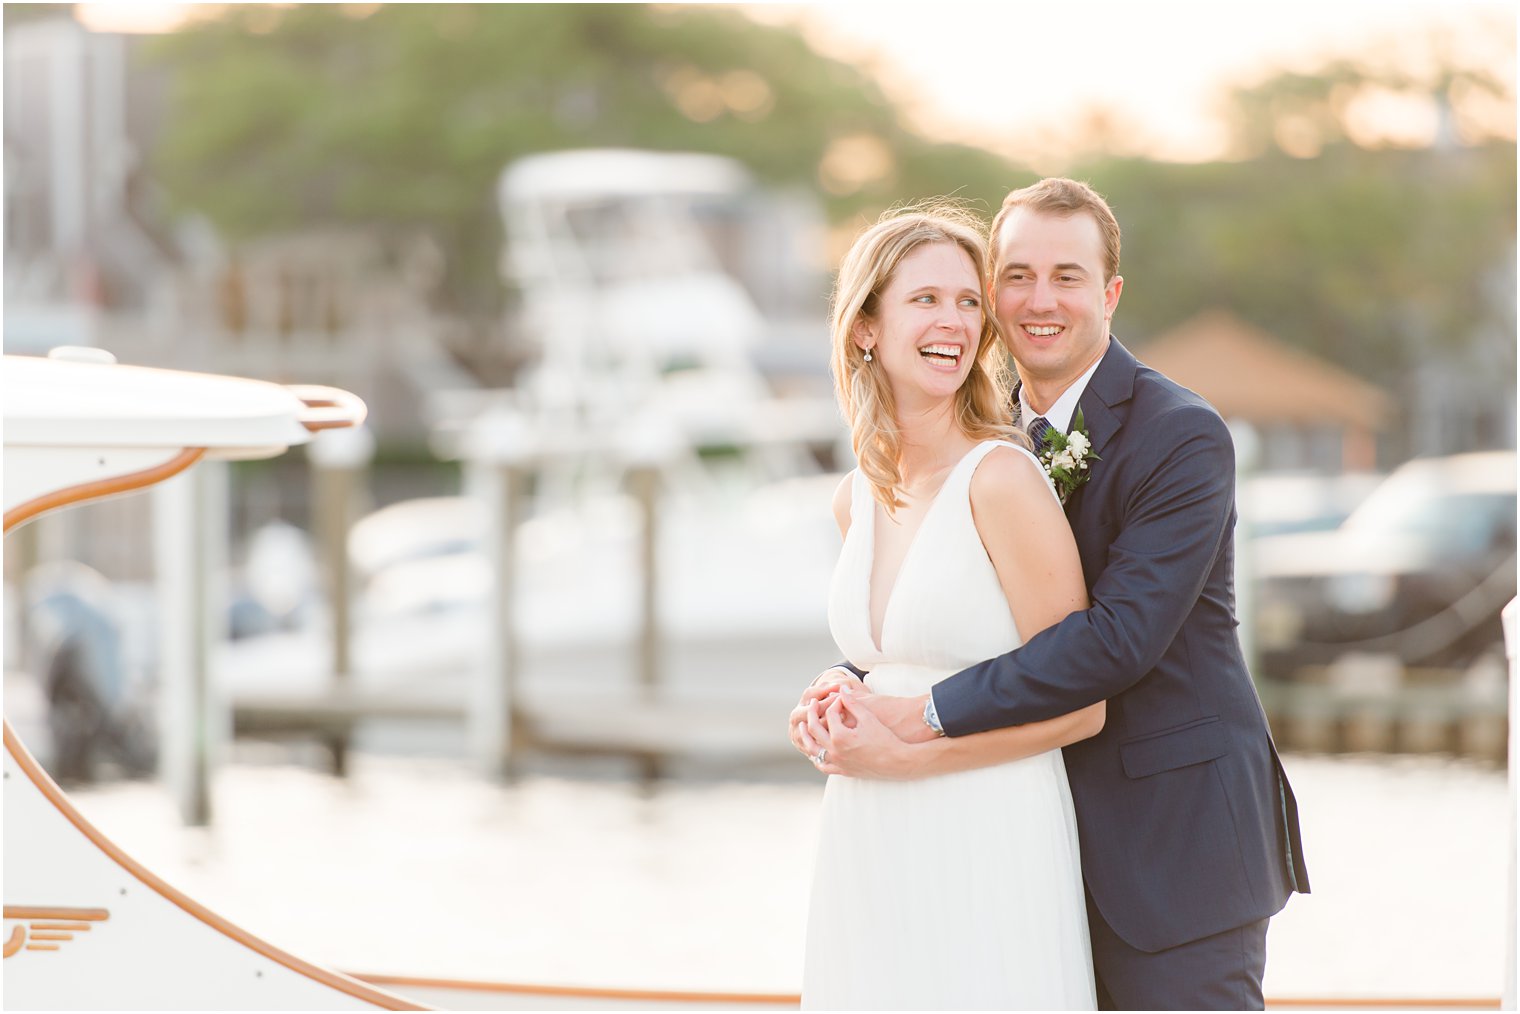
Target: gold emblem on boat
46, 929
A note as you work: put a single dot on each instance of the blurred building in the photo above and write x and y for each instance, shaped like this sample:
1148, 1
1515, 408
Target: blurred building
1308, 413
91, 256
94, 257
79, 237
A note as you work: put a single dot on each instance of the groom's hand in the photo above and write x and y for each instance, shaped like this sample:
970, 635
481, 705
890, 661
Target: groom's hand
904, 716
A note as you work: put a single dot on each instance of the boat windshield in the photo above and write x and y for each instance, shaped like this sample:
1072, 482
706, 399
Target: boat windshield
628, 240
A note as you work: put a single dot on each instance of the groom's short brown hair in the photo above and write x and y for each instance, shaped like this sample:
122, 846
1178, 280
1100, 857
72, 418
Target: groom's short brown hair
1056, 195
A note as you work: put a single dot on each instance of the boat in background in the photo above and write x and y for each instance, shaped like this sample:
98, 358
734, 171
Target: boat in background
672, 524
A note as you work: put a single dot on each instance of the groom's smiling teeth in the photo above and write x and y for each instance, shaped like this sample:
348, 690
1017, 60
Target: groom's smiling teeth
941, 353
1044, 330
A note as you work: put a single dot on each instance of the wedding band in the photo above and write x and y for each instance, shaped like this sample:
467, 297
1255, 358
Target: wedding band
821, 754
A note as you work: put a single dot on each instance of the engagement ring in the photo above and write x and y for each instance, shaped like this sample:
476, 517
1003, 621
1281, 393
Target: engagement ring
821, 754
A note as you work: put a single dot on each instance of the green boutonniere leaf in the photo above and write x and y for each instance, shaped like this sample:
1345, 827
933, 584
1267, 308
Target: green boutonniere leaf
1066, 456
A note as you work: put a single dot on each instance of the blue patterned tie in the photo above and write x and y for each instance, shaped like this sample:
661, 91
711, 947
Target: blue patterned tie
1037, 432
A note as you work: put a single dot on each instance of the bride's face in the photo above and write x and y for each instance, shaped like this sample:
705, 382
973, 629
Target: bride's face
927, 323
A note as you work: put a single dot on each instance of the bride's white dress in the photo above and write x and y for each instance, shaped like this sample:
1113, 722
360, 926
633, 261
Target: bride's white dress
962, 891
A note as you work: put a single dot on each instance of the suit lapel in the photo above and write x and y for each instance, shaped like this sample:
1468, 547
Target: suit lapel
1104, 407
1111, 386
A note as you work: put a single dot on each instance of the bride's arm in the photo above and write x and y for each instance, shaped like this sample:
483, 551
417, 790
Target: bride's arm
1032, 549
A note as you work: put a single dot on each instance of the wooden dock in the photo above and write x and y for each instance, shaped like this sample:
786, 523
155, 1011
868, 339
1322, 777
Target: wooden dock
577, 723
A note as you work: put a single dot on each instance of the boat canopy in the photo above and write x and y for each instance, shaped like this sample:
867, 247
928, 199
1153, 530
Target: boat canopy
58, 402
617, 173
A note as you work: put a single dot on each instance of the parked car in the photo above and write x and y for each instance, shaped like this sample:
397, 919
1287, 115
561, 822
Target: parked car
1278, 503
1419, 571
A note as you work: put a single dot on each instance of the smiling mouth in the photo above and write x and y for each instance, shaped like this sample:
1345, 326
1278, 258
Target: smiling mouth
948, 354
1043, 330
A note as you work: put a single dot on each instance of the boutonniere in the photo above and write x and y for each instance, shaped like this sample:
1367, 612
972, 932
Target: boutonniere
1065, 456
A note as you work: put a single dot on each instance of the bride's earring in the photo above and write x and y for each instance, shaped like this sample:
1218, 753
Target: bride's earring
868, 355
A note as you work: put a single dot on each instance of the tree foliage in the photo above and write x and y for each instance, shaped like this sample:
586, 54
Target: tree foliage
1373, 260
401, 116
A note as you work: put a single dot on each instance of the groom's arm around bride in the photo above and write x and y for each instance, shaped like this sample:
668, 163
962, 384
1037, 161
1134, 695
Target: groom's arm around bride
1189, 829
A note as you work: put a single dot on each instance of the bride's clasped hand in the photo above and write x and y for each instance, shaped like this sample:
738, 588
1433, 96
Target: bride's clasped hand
850, 739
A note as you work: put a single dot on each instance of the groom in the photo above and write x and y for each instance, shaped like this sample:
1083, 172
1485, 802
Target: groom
1189, 829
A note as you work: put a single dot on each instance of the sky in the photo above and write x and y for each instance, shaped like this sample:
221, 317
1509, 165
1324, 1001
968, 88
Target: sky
1018, 76
1021, 77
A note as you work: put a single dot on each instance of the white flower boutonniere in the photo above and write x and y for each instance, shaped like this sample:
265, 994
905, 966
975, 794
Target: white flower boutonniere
1065, 456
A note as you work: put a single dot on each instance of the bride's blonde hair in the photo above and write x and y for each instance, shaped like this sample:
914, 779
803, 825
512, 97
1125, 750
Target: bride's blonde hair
982, 404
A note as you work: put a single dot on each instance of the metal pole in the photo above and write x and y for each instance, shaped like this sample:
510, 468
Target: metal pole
501, 450
645, 481
1512, 649
495, 716
337, 458
333, 488
189, 544
1247, 455
21, 556
68, 193
647, 446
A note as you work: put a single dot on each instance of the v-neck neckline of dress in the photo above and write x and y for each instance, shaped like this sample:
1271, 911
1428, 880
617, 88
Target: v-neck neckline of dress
878, 640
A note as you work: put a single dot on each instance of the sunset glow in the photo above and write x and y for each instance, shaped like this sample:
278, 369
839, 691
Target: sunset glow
1037, 81
1041, 83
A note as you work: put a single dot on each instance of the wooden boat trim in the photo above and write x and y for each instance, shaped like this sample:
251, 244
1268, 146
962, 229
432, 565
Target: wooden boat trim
586, 992
1384, 1003
793, 999
102, 488
54, 795
327, 408
88, 914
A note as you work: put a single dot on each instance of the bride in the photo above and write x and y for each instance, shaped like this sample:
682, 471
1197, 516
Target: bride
947, 873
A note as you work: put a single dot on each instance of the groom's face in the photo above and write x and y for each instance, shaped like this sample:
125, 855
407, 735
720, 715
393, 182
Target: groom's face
1051, 296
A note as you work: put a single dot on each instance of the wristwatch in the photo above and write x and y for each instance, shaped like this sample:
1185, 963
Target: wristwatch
931, 717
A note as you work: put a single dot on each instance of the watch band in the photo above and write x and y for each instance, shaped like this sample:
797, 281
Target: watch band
931, 717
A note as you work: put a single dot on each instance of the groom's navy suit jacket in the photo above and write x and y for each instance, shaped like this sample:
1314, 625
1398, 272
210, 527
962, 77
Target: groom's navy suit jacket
1188, 825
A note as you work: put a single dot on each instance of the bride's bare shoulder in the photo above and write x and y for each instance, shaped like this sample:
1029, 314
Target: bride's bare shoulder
1008, 478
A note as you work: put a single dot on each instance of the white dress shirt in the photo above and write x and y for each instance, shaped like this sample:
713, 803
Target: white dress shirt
1064, 407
